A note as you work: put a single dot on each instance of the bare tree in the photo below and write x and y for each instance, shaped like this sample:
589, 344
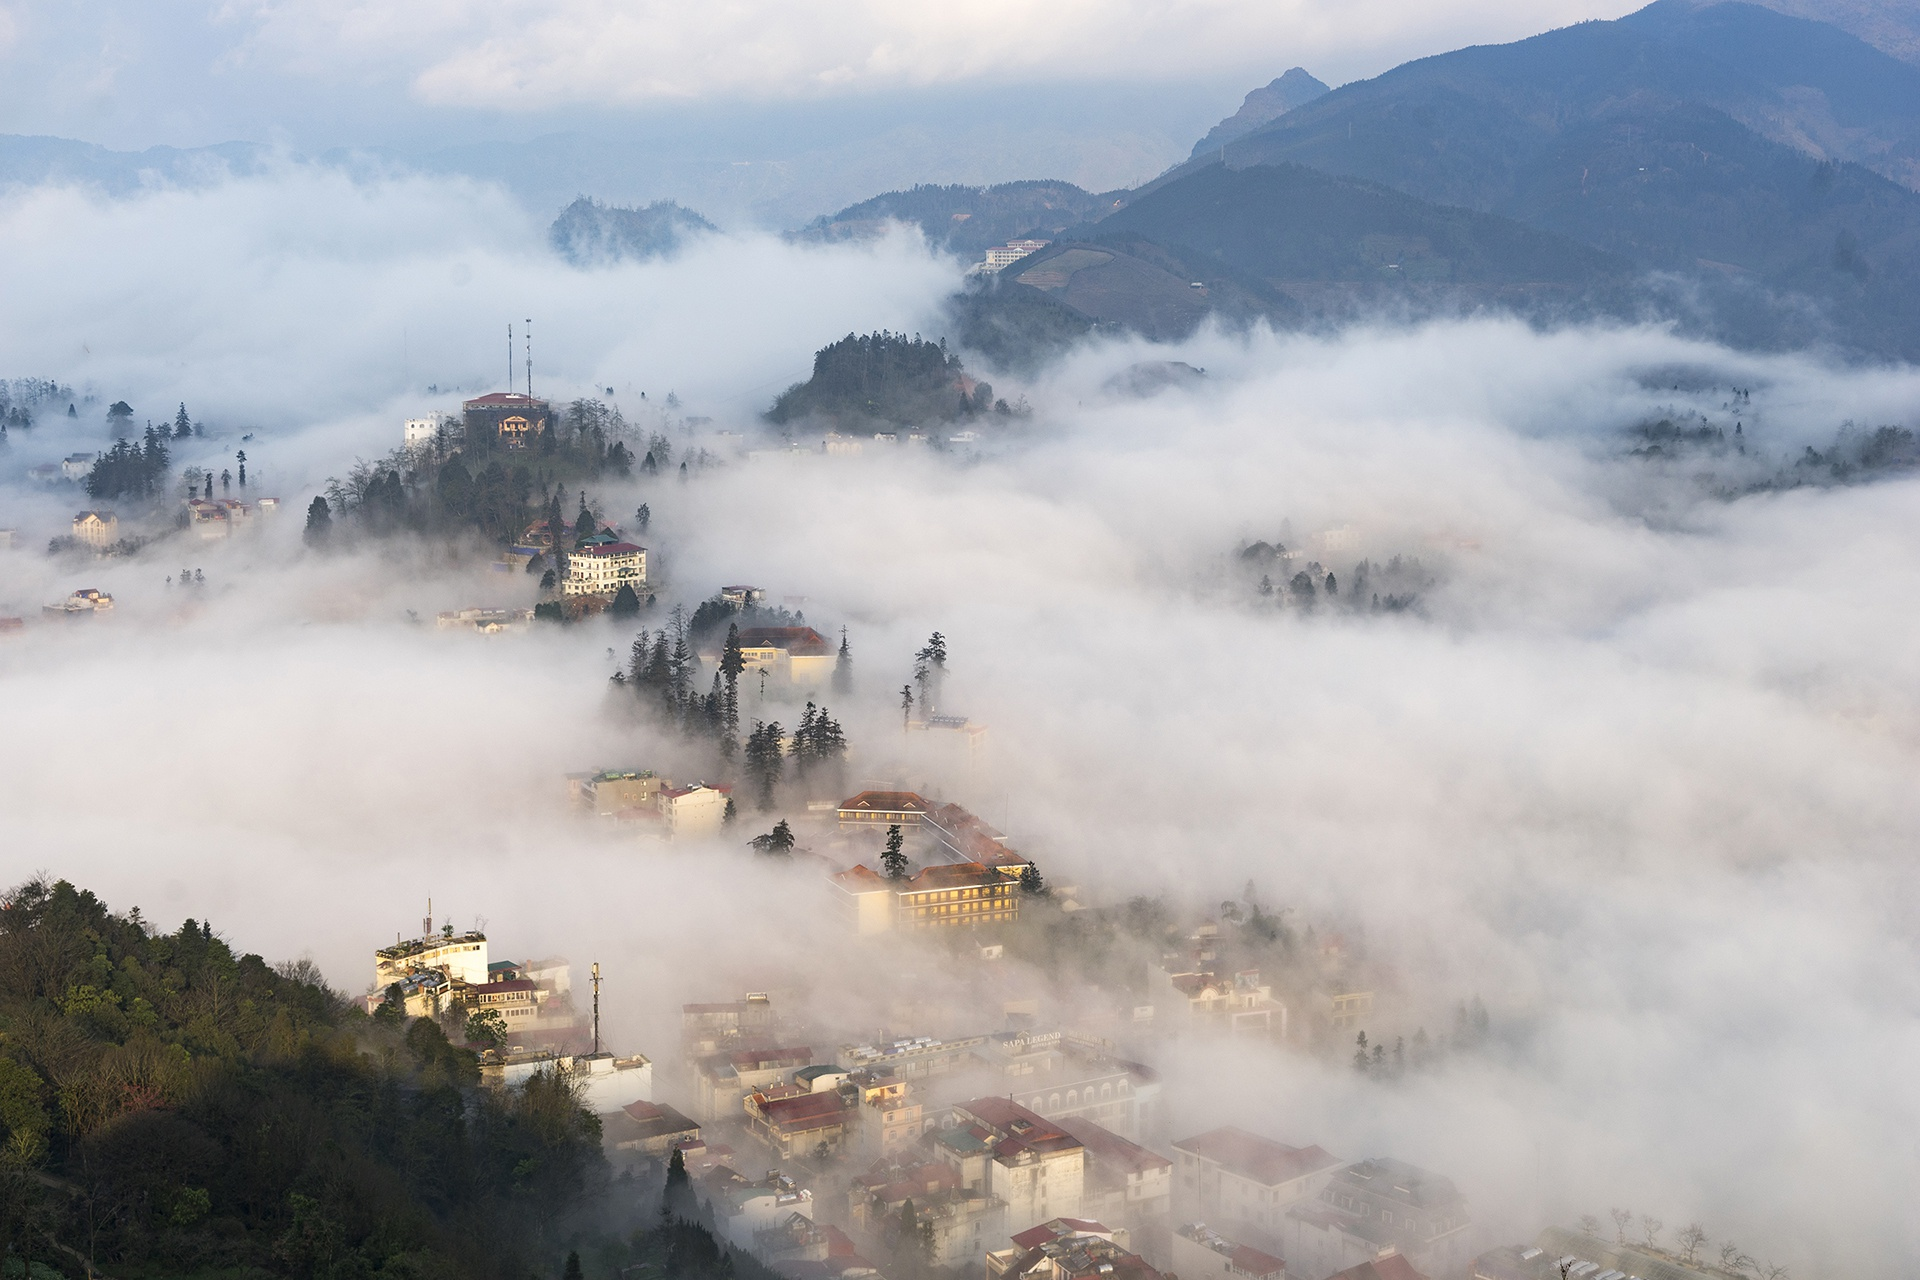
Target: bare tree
1772, 1271
1650, 1230
1731, 1259
1589, 1225
1622, 1219
1692, 1236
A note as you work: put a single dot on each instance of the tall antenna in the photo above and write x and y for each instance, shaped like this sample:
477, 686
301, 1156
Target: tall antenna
529, 357
596, 1008
426, 925
509, 357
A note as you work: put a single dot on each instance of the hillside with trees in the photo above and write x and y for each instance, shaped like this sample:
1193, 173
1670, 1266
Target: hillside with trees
588, 233
887, 379
171, 1108
967, 219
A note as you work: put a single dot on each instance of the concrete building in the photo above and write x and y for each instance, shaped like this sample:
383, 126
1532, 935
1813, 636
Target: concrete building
1002, 256
1198, 1251
606, 1083
799, 655
707, 1029
964, 1224
421, 432
1069, 1249
913, 1060
742, 1208
608, 791
87, 601
97, 529
721, 1082
883, 809
1004, 1149
486, 621
1063, 1076
693, 811
1239, 1005
76, 466
511, 420
462, 957
603, 570
646, 1130
1243, 1184
802, 1124
1126, 1184
1379, 1206
953, 894
742, 596
891, 1117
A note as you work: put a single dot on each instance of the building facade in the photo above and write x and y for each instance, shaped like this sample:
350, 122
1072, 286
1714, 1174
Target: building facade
1244, 1184
603, 570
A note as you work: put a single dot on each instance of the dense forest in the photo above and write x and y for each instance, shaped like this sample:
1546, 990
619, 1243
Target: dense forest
589, 234
885, 378
450, 483
170, 1108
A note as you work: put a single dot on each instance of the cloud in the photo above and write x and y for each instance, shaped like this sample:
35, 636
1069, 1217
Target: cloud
1637, 772
527, 57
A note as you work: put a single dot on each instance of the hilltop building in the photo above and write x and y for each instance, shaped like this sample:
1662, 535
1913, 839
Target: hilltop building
459, 956
883, 809
1002, 256
512, 420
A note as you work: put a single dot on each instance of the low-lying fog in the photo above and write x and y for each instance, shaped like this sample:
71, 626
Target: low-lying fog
1637, 770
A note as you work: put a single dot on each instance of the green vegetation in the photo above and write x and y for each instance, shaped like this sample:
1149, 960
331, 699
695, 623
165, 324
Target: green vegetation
885, 378
128, 470
588, 233
170, 1108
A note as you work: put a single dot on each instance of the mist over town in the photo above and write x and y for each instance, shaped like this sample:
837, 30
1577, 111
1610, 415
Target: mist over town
641, 645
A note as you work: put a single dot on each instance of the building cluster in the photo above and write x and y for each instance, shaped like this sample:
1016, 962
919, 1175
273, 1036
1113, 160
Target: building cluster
597, 566
439, 973
1025, 1154
486, 621
650, 805
793, 656
84, 603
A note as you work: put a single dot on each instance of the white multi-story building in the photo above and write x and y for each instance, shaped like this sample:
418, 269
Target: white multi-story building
1002, 256
96, 528
603, 570
695, 810
462, 956
1244, 1183
420, 431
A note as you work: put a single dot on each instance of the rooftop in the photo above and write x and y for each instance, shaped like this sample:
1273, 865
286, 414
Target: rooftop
1398, 1180
1110, 1148
803, 642
953, 875
1251, 1156
886, 802
1391, 1267
504, 400
611, 549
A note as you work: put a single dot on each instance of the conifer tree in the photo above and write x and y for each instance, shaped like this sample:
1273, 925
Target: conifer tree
319, 522
1032, 883
929, 670
843, 667
182, 424
732, 663
893, 859
763, 760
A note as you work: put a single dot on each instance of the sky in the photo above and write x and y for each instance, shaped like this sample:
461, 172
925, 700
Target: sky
759, 110
1636, 771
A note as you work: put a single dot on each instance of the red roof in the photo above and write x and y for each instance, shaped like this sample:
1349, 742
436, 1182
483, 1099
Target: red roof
1252, 1156
1391, 1267
1034, 1237
1255, 1263
954, 875
886, 802
861, 880
1108, 1147
792, 1112
610, 549
803, 641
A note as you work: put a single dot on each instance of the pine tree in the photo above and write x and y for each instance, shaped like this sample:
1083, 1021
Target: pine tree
319, 522
241, 458
731, 665
893, 860
802, 749
1032, 883
777, 842
843, 668
906, 705
626, 602
763, 761
572, 1269
583, 522
642, 518
929, 671
182, 424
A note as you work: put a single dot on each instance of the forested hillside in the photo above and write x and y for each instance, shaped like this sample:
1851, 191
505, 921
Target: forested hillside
170, 1108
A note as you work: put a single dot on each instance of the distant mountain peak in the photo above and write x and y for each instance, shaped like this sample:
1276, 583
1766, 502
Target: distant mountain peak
1262, 106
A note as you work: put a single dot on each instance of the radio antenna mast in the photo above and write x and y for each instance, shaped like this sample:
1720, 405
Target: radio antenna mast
509, 356
596, 1008
529, 357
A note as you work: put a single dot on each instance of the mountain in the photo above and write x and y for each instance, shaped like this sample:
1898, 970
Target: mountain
1891, 26
1288, 223
588, 233
1727, 144
1262, 106
29, 161
967, 219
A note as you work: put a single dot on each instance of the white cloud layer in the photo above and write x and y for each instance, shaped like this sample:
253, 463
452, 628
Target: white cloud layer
1644, 784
